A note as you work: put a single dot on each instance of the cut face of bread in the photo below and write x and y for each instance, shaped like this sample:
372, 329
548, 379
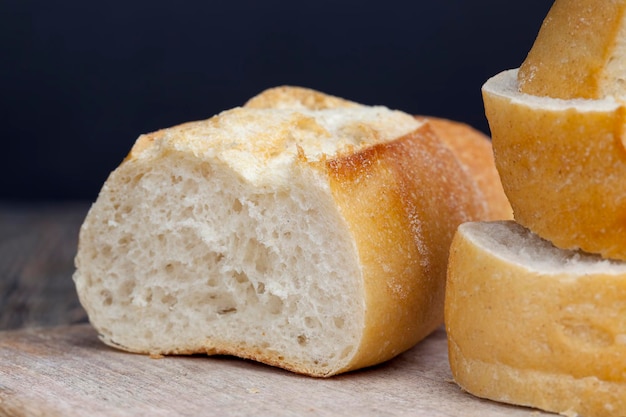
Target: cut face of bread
301, 230
562, 165
533, 325
580, 52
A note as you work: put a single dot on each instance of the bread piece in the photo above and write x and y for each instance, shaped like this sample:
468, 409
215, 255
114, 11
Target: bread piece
533, 325
562, 165
475, 154
301, 230
580, 52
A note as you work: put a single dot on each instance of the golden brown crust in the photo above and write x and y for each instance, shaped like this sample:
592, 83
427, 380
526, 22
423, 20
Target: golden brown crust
475, 154
572, 50
563, 167
294, 97
535, 335
403, 201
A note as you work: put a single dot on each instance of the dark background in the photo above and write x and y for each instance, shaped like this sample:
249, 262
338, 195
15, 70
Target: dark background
80, 80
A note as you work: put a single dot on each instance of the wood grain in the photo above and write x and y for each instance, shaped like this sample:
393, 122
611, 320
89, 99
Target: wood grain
67, 371
37, 247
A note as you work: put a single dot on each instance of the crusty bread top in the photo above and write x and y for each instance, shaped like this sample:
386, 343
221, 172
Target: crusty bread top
474, 152
580, 51
279, 126
290, 97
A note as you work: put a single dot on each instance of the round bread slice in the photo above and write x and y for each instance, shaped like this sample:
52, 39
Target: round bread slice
580, 52
301, 230
534, 325
562, 165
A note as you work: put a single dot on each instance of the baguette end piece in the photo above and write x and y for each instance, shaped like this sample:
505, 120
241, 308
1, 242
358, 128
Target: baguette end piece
258, 233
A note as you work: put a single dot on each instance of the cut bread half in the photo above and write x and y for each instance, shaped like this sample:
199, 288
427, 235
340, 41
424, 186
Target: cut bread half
580, 52
534, 325
300, 230
562, 165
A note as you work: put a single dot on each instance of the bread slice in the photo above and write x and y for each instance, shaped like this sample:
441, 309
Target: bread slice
533, 325
580, 52
300, 230
562, 165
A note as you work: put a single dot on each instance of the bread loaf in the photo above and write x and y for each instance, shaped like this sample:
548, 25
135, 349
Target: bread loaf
534, 309
561, 151
300, 230
534, 325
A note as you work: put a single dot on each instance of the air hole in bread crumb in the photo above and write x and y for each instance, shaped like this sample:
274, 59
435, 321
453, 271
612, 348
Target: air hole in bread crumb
187, 213
312, 322
212, 281
205, 169
302, 340
107, 297
251, 295
259, 255
106, 251
241, 277
127, 288
148, 295
260, 288
274, 304
339, 322
237, 206
169, 300
227, 310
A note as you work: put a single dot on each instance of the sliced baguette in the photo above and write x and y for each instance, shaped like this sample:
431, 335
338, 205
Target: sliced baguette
557, 125
301, 230
562, 165
533, 325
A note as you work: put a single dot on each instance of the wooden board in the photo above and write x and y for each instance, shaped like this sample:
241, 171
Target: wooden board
67, 371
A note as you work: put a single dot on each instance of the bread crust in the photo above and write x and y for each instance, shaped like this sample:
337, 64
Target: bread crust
576, 48
562, 164
533, 335
403, 222
474, 152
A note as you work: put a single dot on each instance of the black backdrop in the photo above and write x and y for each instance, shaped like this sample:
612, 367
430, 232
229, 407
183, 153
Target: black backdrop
80, 80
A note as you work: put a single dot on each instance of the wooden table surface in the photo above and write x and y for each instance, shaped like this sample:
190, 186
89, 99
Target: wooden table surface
52, 363
37, 248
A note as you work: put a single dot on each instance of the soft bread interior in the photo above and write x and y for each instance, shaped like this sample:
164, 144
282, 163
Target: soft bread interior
215, 260
517, 245
221, 236
505, 84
